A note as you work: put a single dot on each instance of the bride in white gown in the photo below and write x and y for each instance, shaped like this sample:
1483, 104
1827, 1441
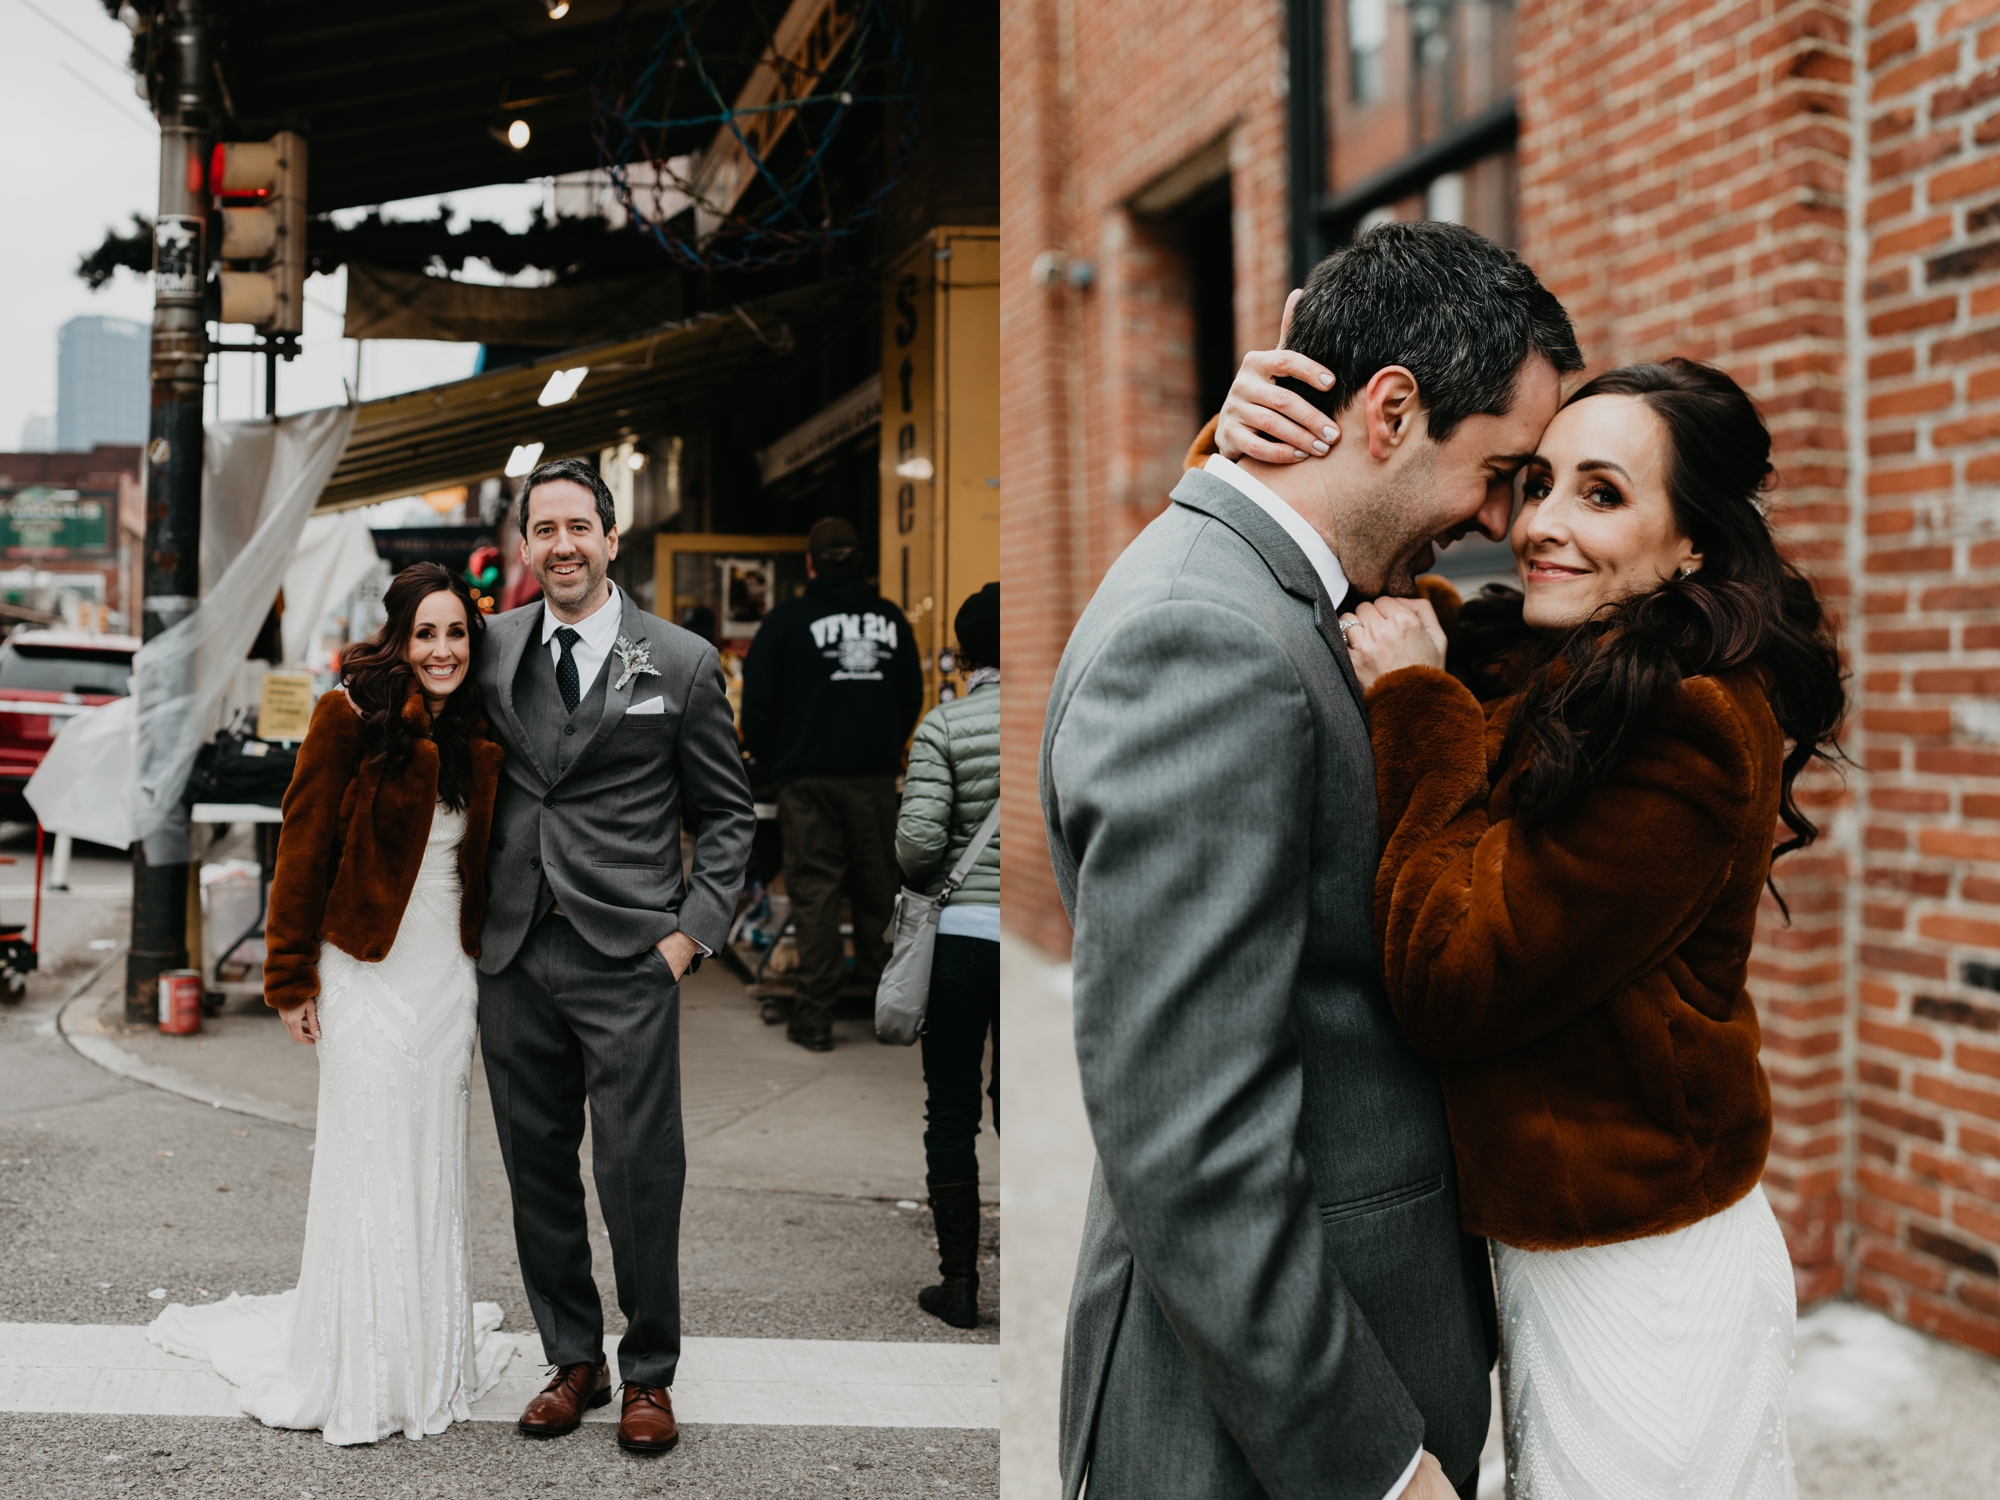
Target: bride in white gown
1567, 905
381, 1334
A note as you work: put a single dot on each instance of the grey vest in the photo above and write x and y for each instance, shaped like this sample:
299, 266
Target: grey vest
558, 736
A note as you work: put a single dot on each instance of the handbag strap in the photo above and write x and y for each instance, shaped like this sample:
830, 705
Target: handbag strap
971, 856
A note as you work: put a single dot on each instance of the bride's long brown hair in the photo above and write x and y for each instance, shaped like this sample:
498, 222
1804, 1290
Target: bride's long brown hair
380, 681
1595, 688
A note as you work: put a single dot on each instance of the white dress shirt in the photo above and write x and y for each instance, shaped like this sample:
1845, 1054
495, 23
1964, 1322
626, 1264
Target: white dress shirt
598, 632
1317, 552
1320, 555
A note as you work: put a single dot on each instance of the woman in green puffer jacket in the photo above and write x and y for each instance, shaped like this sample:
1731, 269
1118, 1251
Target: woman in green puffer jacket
952, 784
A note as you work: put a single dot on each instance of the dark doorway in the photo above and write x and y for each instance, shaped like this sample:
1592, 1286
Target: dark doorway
1212, 270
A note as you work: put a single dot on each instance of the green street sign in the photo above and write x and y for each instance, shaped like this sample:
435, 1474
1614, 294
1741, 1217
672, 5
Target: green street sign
40, 523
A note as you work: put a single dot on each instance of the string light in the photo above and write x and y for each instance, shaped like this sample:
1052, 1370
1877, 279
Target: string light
791, 226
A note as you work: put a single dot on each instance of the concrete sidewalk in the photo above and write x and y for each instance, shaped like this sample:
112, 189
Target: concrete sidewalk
137, 1169
760, 1113
1878, 1411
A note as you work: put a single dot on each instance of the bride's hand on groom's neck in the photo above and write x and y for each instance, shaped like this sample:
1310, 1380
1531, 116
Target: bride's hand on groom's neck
1263, 420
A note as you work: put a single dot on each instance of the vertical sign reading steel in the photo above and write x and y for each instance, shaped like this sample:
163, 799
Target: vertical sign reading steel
941, 431
909, 465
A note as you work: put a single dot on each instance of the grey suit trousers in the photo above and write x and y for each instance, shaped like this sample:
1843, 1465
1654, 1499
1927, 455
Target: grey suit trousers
563, 1022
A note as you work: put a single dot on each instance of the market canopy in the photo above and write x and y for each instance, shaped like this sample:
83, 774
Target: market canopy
463, 432
403, 98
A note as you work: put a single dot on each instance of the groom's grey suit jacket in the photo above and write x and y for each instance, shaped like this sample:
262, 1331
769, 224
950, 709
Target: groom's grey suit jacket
592, 818
1273, 1296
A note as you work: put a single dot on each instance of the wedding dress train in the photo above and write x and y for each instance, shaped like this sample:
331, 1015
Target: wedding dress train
381, 1334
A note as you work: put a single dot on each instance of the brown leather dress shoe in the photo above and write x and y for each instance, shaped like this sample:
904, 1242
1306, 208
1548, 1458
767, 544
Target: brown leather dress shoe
647, 1423
560, 1407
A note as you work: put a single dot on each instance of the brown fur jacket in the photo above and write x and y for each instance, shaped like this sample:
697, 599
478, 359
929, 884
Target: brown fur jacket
351, 842
1582, 983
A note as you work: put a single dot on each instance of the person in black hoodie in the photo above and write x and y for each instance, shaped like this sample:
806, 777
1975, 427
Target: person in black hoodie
831, 690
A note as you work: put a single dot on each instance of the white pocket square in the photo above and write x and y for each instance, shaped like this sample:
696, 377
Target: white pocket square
650, 706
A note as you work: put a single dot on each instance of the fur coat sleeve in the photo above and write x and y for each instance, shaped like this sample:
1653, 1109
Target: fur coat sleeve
1493, 934
309, 849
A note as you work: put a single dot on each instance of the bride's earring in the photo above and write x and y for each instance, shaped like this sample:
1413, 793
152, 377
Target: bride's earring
1687, 573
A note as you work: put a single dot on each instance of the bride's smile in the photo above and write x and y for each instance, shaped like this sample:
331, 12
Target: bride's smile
440, 651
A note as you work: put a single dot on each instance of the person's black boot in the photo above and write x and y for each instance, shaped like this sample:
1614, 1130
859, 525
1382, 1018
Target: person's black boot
955, 1211
812, 1038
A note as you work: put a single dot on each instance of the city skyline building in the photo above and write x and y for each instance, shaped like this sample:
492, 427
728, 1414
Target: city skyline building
101, 382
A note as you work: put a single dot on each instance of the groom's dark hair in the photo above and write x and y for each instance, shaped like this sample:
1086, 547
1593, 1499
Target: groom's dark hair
577, 471
1460, 313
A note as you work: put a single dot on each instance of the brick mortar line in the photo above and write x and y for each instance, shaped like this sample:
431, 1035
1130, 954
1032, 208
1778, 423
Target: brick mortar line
1850, 819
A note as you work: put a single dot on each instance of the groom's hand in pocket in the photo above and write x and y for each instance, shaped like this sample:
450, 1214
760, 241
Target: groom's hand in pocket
678, 949
1428, 1483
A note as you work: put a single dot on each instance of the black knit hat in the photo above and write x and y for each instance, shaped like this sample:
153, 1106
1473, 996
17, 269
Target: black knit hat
978, 627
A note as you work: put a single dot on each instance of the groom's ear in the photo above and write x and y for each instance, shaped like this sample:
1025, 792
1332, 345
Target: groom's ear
1390, 405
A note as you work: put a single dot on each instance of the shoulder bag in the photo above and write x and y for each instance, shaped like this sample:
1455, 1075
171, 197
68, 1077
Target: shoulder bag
905, 991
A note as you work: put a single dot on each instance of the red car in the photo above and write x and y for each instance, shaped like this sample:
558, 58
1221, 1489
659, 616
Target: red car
46, 678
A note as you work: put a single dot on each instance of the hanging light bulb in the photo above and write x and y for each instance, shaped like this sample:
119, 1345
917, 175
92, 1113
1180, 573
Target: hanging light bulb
558, 9
517, 135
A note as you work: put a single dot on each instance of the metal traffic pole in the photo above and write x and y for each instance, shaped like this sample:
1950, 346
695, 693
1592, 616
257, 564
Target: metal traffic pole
186, 111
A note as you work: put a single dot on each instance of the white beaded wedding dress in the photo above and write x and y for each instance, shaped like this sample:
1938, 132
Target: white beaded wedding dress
381, 1334
1654, 1369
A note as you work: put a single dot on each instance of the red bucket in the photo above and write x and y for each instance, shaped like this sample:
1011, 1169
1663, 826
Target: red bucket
180, 1001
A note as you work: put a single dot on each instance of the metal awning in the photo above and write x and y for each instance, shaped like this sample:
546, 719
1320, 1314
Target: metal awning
402, 98
463, 432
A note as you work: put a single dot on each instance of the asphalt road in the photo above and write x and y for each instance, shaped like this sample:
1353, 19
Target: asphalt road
110, 1189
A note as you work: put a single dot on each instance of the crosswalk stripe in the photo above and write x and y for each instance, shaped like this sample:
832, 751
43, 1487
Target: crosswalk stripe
111, 1369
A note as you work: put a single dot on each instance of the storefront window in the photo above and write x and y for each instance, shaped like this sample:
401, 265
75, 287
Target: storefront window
1419, 120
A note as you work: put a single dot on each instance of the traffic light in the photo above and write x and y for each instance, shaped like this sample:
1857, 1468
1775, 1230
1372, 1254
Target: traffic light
261, 188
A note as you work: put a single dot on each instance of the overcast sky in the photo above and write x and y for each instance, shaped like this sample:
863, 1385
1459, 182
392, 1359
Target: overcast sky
84, 155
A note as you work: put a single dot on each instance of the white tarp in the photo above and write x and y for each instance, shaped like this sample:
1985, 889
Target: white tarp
120, 770
83, 787
335, 553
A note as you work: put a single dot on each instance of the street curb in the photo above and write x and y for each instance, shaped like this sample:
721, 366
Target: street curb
79, 1028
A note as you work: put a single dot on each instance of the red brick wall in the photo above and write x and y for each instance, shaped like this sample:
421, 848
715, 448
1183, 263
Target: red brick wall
1100, 99
1683, 190
1926, 1046
1771, 186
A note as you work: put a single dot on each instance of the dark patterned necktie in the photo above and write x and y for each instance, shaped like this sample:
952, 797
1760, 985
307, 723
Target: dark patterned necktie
566, 669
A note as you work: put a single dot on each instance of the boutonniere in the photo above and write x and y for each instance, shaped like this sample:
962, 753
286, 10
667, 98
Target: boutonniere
636, 657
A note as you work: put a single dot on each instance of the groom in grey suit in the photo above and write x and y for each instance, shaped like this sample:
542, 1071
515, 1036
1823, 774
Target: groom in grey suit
1274, 1297
617, 731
